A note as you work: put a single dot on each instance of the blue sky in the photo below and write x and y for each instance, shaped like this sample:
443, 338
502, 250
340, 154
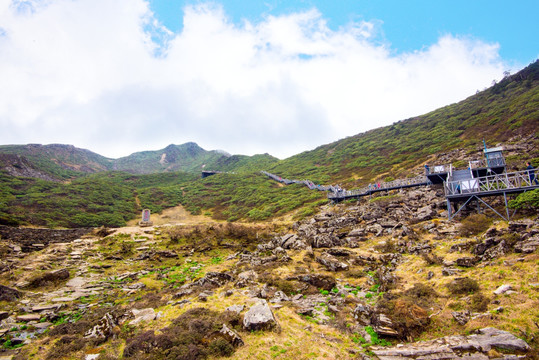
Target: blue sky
246, 77
406, 25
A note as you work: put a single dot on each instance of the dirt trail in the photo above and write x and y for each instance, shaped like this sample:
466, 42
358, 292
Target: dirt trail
175, 216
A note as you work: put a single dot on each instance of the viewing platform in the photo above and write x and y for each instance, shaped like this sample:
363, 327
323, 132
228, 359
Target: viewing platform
502, 184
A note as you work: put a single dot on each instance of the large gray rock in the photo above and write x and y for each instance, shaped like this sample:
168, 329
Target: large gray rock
323, 282
425, 213
461, 317
146, 315
332, 263
104, 328
213, 279
260, 317
325, 241
488, 338
528, 246
456, 347
503, 289
467, 261
291, 241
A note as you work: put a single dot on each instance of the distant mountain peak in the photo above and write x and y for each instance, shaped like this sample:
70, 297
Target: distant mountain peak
222, 152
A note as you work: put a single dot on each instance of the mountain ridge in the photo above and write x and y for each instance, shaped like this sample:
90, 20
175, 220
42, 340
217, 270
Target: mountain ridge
63, 161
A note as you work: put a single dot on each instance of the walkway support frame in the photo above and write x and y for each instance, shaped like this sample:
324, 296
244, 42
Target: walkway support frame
488, 186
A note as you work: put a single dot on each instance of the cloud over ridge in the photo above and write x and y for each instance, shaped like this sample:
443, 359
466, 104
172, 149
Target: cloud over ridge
107, 76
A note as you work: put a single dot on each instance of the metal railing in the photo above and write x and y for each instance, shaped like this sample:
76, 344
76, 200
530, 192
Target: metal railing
437, 169
399, 183
497, 182
486, 163
308, 183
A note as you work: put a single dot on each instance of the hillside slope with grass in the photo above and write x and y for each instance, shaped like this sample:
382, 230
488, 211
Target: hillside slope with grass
55, 161
506, 114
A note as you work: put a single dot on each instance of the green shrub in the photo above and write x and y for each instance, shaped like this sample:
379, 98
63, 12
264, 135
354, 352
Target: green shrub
527, 200
479, 302
221, 347
461, 286
474, 225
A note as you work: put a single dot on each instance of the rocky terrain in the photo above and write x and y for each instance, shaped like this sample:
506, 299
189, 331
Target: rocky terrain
384, 278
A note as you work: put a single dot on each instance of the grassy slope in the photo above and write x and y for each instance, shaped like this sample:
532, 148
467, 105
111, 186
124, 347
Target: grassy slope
504, 111
59, 161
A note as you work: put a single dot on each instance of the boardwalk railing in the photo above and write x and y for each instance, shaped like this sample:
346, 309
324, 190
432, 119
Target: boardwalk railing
437, 169
484, 163
308, 183
492, 183
371, 188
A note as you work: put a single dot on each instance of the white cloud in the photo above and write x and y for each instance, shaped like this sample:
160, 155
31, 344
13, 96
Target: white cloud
86, 72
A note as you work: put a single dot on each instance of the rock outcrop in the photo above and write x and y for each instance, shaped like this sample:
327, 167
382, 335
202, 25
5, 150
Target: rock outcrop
470, 347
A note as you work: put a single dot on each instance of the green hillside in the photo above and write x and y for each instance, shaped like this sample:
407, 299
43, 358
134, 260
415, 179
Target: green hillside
56, 160
190, 157
187, 157
501, 114
64, 162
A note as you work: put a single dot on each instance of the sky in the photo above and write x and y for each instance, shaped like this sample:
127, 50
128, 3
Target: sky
246, 77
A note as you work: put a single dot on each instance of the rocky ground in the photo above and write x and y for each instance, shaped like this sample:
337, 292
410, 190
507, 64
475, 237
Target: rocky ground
386, 278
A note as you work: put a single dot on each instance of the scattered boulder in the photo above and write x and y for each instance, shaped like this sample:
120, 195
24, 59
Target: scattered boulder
106, 327
167, 254
8, 294
292, 241
260, 317
363, 313
503, 289
184, 291
203, 296
446, 271
467, 261
29, 317
425, 213
142, 315
213, 280
231, 336
332, 263
245, 278
325, 240
279, 297
384, 326
237, 309
324, 282
528, 246
461, 317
